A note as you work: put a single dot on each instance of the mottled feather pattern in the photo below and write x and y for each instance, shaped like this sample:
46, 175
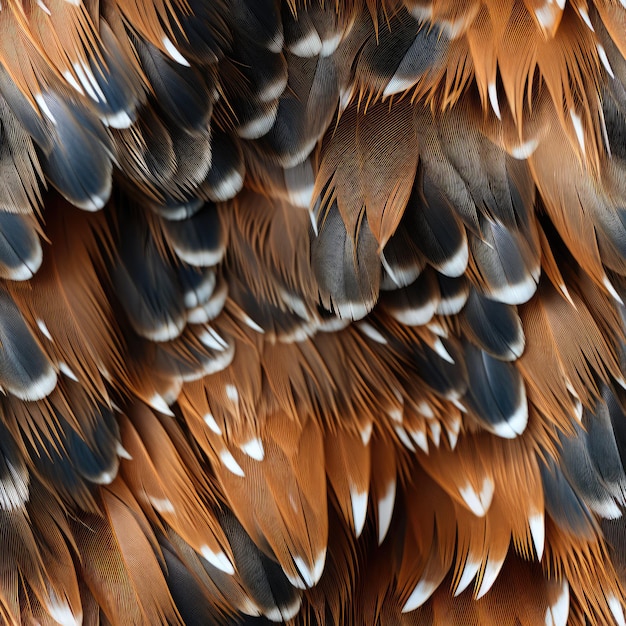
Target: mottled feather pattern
312, 312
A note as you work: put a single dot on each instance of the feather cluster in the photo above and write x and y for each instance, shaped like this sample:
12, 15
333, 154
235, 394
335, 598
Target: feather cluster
312, 311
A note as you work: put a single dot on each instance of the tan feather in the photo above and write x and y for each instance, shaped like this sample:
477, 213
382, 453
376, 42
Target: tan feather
169, 485
378, 190
280, 494
120, 565
67, 301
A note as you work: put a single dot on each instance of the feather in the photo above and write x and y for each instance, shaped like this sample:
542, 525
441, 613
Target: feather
352, 292
493, 326
151, 293
183, 93
66, 301
169, 485
288, 511
19, 191
348, 154
225, 178
312, 312
263, 578
416, 304
399, 54
305, 109
122, 544
201, 31
20, 249
496, 392
78, 162
259, 21
197, 240
25, 370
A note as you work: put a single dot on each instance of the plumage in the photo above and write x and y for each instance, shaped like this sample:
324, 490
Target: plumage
312, 312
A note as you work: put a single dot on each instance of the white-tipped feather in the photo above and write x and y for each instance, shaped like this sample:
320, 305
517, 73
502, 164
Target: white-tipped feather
558, 613
423, 590
359, 509
254, 449
230, 463
478, 502
537, 525
171, 49
385, 510
218, 560
489, 576
470, 569
617, 610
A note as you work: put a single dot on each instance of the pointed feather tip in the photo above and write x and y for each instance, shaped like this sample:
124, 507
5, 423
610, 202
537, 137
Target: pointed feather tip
284, 613
493, 99
611, 289
369, 331
582, 11
218, 560
420, 439
489, 576
605, 60
366, 432
404, 437
158, 403
557, 613
434, 428
399, 84
122, 452
470, 569
61, 611
385, 511
44, 329
308, 575
65, 369
358, 500
173, 52
537, 526
478, 502
422, 592
441, 350
453, 429
515, 425
209, 420
254, 449
230, 463
617, 610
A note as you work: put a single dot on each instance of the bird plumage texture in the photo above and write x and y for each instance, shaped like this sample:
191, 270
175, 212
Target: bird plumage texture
313, 311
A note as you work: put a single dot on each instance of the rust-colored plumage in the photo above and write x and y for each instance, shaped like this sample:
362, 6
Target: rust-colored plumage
312, 312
